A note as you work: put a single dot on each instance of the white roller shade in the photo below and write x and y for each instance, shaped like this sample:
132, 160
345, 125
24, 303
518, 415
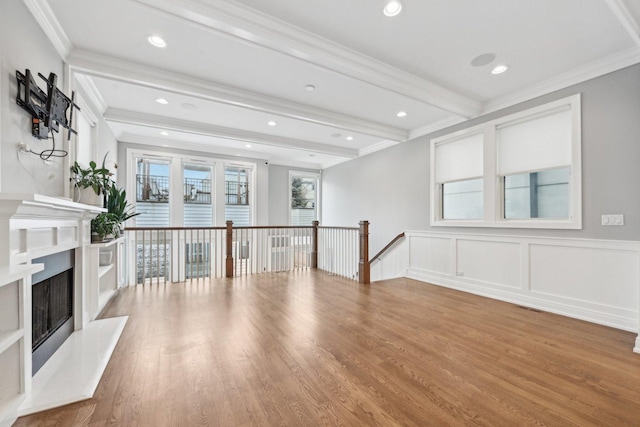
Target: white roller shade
536, 144
459, 159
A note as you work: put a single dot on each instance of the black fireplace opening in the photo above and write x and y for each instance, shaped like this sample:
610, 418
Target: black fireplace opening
52, 306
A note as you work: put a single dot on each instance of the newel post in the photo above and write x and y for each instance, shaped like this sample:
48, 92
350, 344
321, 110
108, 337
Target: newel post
363, 264
229, 264
314, 245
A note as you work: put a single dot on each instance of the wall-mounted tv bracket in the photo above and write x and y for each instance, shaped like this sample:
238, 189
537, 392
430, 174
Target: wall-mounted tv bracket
48, 109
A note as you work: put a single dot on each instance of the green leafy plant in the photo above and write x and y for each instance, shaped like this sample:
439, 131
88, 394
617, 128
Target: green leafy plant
118, 207
105, 224
99, 179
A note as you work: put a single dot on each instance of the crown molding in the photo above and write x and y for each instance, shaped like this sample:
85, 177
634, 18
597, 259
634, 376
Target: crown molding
590, 71
334, 162
627, 20
376, 147
94, 64
168, 123
213, 149
434, 127
91, 92
47, 20
250, 26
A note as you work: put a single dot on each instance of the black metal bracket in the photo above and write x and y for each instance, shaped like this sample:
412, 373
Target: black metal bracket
48, 109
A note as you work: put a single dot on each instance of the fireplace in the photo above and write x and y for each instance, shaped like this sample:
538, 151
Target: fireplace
52, 306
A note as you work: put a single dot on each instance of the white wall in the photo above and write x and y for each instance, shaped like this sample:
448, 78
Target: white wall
390, 188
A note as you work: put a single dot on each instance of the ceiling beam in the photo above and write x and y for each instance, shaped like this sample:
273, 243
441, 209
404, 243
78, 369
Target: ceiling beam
258, 29
95, 64
178, 125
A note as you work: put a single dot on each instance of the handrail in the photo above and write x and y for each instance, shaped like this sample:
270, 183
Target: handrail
391, 243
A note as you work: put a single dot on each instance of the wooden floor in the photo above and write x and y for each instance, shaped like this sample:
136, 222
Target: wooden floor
310, 349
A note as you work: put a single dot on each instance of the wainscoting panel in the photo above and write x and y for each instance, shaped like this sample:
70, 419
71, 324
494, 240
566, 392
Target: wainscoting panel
606, 276
497, 263
431, 254
593, 280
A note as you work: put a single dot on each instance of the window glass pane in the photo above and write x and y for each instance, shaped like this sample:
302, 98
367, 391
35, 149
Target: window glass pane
543, 194
152, 192
462, 199
236, 184
303, 200
198, 209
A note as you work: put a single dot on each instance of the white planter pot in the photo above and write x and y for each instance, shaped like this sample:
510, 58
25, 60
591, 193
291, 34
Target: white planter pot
88, 197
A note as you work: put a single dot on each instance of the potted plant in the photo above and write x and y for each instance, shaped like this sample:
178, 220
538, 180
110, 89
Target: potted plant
92, 183
104, 227
118, 207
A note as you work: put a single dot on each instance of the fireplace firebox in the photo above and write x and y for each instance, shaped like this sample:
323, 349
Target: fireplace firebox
52, 306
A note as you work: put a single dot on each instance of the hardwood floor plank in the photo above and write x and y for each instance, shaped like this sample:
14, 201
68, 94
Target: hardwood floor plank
306, 348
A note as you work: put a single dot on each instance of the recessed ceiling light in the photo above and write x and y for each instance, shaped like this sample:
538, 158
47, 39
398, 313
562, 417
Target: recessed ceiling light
499, 69
310, 88
349, 138
402, 114
248, 145
157, 41
393, 8
484, 59
271, 123
162, 101
164, 133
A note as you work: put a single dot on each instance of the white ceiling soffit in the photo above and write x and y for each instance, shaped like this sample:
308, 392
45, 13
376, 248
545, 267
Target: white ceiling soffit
163, 122
256, 28
126, 71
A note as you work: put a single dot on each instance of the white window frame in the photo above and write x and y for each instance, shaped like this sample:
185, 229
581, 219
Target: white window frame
176, 188
301, 174
493, 183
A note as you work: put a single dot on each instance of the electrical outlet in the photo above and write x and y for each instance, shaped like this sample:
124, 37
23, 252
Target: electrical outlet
608, 220
24, 148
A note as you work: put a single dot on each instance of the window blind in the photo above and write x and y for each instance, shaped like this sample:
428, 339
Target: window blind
459, 159
535, 144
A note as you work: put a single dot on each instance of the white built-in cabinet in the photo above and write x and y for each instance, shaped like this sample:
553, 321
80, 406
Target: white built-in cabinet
15, 336
104, 277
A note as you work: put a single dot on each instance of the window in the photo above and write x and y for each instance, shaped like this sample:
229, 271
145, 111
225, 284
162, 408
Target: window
303, 197
152, 192
197, 195
237, 192
521, 170
458, 173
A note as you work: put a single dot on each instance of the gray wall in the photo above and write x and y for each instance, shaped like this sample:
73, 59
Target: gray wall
279, 193
24, 45
390, 188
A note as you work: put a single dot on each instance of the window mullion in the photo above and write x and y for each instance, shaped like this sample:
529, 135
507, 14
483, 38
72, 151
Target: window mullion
492, 205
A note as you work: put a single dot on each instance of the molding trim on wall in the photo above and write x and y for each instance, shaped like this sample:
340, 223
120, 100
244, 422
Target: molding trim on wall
612, 63
150, 120
626, 19
92, 93
523, 265
376, 147
94, 64
434, 127
258, 29
43, 14
637, 347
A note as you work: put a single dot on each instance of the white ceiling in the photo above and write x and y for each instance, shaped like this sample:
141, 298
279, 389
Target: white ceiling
243, 63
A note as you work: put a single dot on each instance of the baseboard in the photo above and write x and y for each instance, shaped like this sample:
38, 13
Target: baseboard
604, 315
637, 347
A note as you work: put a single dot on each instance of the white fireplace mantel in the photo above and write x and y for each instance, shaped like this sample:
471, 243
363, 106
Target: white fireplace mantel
33, 226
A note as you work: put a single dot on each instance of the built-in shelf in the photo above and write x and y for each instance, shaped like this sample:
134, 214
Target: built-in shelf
9, 338
104, 298
107, 244
104, 269
10, 274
